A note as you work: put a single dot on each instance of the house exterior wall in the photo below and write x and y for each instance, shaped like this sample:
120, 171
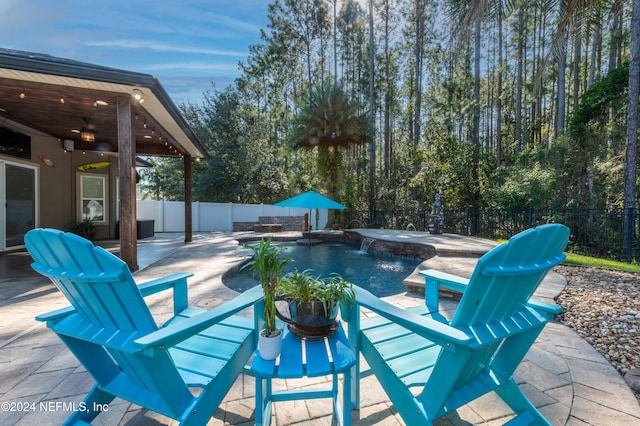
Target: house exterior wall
55, 183
57, 191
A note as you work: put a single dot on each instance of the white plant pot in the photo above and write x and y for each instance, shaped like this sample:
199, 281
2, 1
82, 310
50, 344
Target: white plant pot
269, 347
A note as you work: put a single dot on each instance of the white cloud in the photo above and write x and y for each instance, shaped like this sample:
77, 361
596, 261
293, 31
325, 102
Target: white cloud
162, 47
194, 66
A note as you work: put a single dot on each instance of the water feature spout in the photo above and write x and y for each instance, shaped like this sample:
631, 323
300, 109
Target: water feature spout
366, 243
411, 227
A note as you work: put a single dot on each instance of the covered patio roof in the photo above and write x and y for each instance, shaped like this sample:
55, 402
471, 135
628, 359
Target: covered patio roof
60, 96
127, 114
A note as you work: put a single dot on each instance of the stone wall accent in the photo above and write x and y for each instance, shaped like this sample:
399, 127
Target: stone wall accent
421, 251
243, 226
289, 223
268, 227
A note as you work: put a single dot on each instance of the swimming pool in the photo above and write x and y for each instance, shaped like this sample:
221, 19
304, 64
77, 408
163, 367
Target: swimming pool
382, 274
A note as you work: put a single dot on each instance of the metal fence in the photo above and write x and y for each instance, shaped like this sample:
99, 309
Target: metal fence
396, 219
594, 232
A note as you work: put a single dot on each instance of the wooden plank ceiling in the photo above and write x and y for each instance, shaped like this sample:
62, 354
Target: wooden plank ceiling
42, 108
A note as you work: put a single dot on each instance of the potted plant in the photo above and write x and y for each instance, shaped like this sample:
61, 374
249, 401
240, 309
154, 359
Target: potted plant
313, 302
86, 228
267, 266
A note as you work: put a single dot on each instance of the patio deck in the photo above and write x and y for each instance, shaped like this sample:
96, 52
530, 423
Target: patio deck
41, 381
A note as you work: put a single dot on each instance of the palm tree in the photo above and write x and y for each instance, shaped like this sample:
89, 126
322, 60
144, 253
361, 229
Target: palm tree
330, 122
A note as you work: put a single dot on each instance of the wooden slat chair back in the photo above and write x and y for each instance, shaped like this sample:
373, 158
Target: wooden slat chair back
429, 366
505, 278
493, 307
111, 331
92, 279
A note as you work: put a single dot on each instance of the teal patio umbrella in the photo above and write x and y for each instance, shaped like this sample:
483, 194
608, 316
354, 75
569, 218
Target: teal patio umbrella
310, 200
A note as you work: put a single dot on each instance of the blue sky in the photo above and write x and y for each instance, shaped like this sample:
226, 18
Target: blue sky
186, 44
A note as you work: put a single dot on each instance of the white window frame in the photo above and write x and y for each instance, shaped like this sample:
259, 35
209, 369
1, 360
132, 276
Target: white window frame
104, 198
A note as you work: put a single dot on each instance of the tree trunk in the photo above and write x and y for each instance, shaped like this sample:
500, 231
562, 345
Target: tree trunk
631, 162
518, 135
476, 83
594, 66
419, 50
372, 142
499, 102
576, 69
387, 94
561, 100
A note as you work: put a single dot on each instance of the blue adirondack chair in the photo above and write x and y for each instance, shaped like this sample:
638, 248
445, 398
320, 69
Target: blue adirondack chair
430, 366
111, 331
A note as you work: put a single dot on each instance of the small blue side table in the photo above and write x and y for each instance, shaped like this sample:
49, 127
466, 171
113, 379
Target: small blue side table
305, 358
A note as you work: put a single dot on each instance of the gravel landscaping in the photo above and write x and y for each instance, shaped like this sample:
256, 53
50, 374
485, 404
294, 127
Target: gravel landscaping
603, 306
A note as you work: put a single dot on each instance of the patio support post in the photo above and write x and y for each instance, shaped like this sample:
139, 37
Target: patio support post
188, 222
127, 173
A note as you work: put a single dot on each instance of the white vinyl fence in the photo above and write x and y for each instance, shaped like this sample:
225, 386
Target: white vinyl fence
169, 215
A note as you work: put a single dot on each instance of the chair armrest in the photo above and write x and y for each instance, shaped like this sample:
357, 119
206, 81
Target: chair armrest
445, 279
176, 332
177, 281
544, 306
163, 283
433, 280
56, 315
442, 334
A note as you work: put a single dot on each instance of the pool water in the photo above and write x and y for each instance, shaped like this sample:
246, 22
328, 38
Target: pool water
382, 274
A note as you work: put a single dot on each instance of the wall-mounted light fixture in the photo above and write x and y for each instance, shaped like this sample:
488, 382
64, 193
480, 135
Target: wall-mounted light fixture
49, 162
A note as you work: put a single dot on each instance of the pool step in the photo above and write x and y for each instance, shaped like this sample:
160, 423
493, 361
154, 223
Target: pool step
463, 267
457, 265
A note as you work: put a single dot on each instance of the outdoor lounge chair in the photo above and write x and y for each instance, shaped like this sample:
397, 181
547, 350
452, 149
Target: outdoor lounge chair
111, 331
429, 366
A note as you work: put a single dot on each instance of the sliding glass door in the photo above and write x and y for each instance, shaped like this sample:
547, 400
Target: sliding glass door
18, 196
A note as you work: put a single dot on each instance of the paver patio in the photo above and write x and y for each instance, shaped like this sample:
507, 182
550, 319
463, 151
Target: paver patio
40, 381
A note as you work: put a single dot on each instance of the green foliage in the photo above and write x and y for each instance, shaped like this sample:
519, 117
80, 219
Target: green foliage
594, 262
86, 228
452, 165
609, 178
329, 119
598, 122
243, 166
524, 187
597, 99
287, 97
305, 287
329, 123
163, 181
267, 265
